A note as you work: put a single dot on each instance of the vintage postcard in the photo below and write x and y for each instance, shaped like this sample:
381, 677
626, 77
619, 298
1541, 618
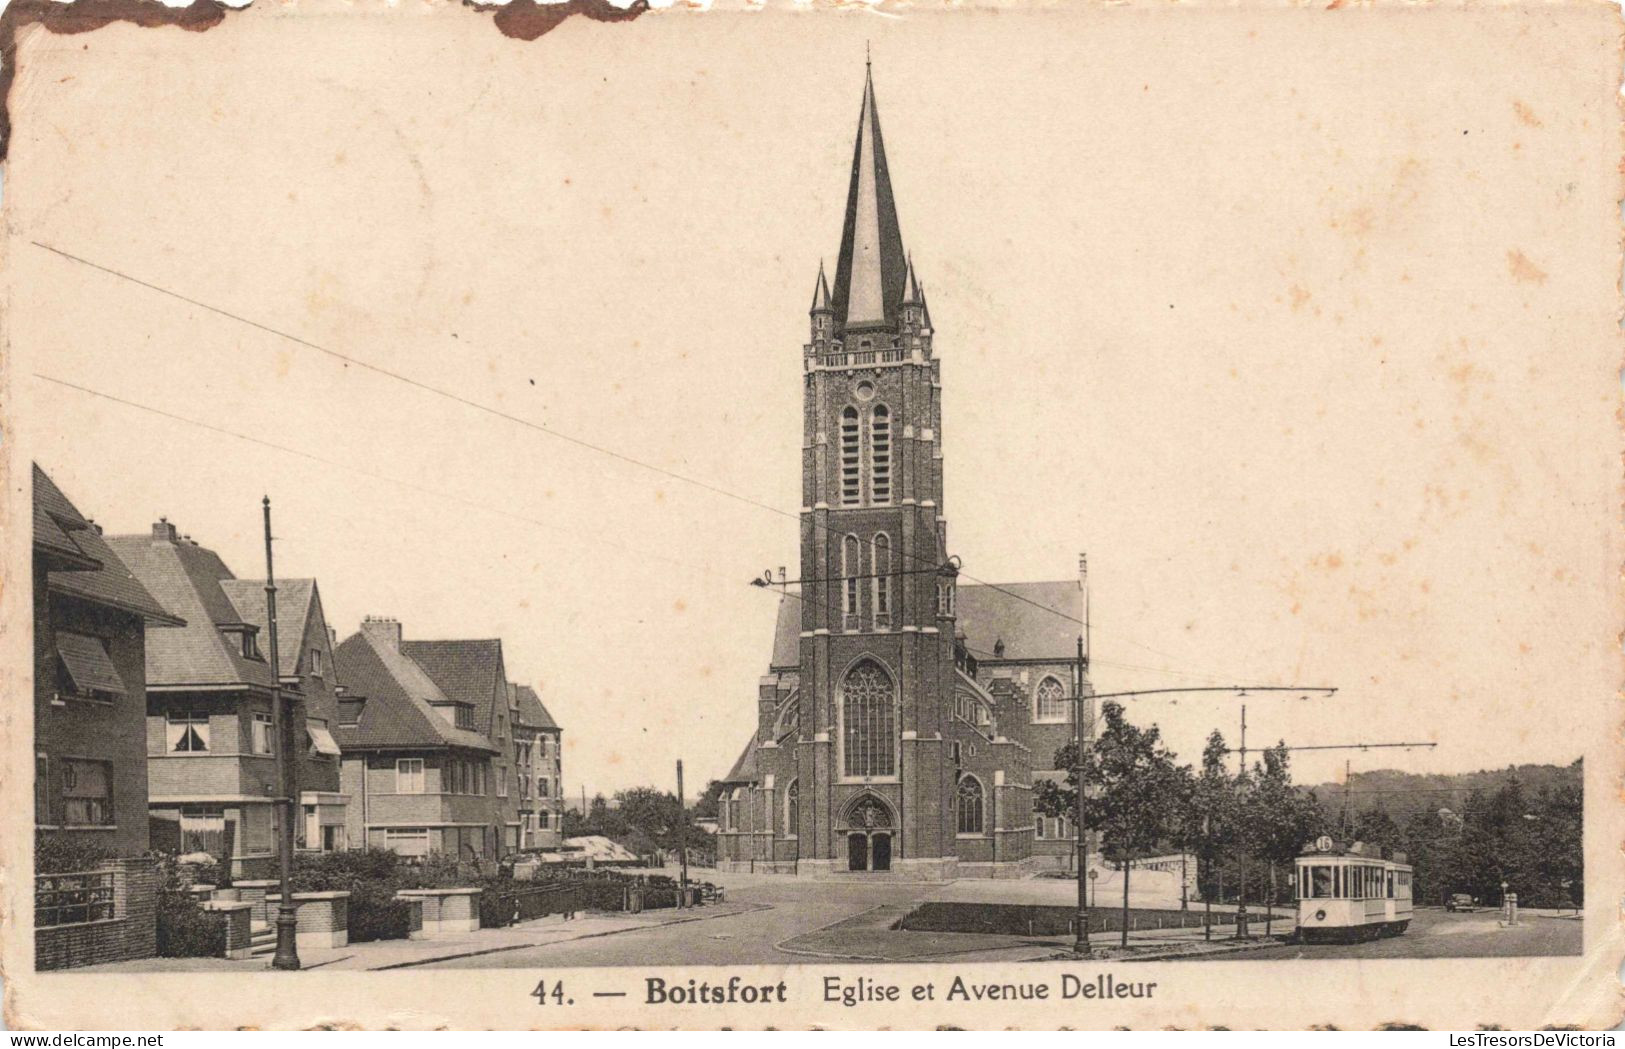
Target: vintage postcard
796, 515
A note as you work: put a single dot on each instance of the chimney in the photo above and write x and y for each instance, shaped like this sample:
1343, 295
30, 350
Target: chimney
163, 531
384, 631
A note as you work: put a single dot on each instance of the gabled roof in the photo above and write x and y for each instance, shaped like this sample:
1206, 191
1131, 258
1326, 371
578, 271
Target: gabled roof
467, 672
872, 269
744, 770
186, 578
294, 599
398, 712
531, 711
1023, 616
84, 566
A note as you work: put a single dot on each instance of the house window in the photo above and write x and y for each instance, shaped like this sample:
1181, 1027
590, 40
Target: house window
463, 717
408, 841
42, 789
542, 785
87, 793
261, 740
882, 581
502, 781
1050, 701
945, 599
409, 776
851, 568
792, 808
880, 455
851, 476
868, 722
956, 753
188, 731
970, 805
315, 662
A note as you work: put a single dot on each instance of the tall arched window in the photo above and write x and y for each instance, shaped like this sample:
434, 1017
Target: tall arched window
1050, 703
851, 468
970, 805
792, 808
880, 455
882, 573
868, 722
851, 569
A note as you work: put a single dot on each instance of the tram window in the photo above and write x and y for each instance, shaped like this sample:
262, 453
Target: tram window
1321, 882
1390, 885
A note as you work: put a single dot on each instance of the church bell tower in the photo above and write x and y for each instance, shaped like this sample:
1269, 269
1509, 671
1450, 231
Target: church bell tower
875, 775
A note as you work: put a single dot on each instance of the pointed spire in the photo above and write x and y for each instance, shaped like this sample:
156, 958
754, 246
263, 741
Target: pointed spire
821, 292
871, 272
915, 296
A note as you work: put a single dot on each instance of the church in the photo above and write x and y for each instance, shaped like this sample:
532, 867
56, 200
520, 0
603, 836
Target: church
904, 716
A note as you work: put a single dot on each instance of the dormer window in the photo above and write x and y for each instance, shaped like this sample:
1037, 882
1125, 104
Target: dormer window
244, 637
464, 717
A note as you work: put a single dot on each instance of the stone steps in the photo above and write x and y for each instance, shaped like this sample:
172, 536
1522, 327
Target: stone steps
262, 938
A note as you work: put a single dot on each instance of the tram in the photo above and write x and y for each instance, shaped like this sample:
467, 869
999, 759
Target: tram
1345, 895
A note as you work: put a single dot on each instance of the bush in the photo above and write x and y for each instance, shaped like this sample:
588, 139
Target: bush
371, 877
185, 929
54, 854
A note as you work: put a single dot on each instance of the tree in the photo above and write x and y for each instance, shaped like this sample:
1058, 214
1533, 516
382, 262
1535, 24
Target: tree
1210, 818
1134, 794
708, 804
1278, 819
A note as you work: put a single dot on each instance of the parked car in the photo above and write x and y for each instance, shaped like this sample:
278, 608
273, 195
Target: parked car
1461, 901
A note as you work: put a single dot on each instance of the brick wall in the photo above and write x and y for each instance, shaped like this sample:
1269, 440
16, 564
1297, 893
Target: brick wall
132, 933
75, 728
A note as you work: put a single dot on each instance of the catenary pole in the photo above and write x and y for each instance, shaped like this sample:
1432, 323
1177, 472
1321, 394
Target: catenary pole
682, 839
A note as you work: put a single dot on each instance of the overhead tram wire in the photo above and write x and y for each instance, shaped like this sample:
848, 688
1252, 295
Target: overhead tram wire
977, 652
414, 486
516, 419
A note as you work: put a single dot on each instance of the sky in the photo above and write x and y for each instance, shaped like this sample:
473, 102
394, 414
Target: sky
1305, 361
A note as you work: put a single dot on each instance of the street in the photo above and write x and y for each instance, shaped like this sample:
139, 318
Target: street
1436, 933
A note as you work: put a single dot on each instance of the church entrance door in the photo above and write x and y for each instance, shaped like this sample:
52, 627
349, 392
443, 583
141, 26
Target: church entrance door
857, 852
880, 848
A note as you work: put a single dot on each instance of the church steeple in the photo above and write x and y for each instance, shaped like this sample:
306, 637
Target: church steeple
871, 272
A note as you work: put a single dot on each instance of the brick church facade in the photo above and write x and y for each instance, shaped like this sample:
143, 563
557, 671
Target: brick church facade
904, 716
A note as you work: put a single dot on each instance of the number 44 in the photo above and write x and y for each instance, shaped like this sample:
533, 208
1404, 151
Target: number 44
543, 992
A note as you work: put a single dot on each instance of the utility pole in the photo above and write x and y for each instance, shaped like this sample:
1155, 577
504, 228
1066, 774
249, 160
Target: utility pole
287, 915
682, 838
1241, 901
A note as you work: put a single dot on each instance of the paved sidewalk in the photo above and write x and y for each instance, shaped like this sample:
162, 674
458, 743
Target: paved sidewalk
399, 954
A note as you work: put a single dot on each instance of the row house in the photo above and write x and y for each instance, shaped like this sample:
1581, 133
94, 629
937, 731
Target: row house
539, 762
210, 741
95, 895
422, 776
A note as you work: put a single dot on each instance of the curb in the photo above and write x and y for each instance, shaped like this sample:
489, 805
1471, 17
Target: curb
568, 939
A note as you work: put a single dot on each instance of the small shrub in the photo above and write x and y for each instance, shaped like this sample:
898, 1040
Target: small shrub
185, 929
54, 854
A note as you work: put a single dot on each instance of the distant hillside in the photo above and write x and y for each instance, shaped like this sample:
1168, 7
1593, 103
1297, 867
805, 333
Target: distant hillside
1401, 794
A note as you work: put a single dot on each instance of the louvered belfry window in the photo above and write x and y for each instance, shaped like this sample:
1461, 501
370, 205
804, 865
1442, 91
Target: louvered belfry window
880, 455
851, 466
868, 722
